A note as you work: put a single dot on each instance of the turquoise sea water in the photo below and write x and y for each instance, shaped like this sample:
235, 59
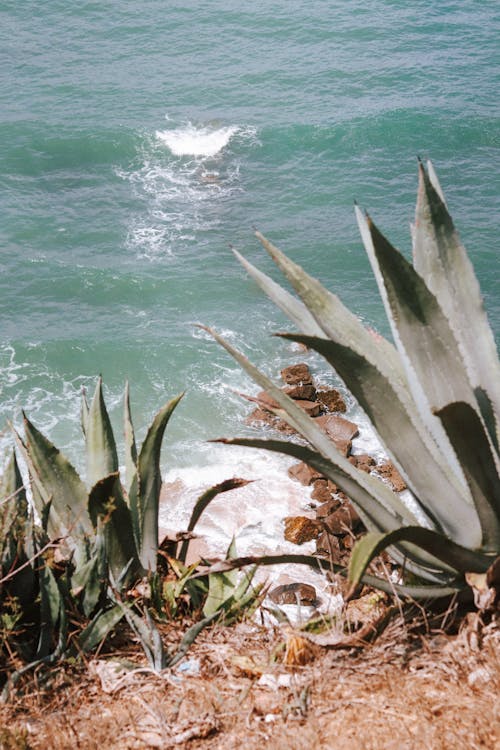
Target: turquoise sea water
138, 140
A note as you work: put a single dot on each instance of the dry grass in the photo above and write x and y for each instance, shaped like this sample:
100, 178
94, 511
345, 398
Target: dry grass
406, 691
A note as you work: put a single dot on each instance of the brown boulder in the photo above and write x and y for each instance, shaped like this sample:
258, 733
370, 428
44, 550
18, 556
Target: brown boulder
343, 520
322, 490
337, 428
388, 471
331, 400
300, 529
294, 593
340, 430
326, 509
304, 474
297, 375
306, 392
328, 546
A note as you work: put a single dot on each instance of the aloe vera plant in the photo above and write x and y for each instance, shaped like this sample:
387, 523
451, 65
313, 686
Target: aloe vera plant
433, 398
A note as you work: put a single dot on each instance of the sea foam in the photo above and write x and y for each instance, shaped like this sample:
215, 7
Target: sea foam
190, 140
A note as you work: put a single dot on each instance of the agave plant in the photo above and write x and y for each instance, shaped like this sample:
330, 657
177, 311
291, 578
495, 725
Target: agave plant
75, 553
433, 398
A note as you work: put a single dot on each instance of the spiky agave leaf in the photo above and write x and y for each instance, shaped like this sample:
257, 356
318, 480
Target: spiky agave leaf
426, 343
452, 511
107, 506
130, 444
202, 504
13, 502
102, 458
442, 261
467, 435
377, 497
455, 556
144, 502
57, 483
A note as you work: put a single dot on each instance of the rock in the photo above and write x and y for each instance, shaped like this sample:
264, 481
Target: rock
310, 407
304, 474
343, 520
306, 392
326, 509
388, 471
294, 593
366, 609
261, 415
300, 529
265, 417
284, 427
267, 400
331, 400
363, 461
340, 430
320, 491
328, 546
297, 375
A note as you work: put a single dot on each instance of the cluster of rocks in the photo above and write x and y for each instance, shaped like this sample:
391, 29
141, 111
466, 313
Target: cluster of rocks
335, 524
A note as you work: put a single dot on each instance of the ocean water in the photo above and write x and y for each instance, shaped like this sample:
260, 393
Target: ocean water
140, 140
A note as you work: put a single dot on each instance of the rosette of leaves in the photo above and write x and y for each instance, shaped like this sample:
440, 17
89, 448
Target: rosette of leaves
87, 544
433, 397
77, 551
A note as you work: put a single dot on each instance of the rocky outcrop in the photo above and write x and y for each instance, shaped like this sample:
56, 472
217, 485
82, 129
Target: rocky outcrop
321, 404
337, 524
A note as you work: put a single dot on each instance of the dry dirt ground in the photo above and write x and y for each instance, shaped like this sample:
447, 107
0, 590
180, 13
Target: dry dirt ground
407, 690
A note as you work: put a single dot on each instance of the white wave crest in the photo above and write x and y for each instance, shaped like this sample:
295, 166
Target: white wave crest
197, 141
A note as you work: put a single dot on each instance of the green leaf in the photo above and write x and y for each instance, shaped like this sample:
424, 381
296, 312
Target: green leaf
454, 555
102, 458
148, 635
99, 628
470, 442
440, 497
204, 501
442, 261
189, 639
57, 482
50, 609
291, 306
106, 504
335, 320
13, 502
422, 333
379, 502
221, 586
130, 445
149, 485
91, 578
